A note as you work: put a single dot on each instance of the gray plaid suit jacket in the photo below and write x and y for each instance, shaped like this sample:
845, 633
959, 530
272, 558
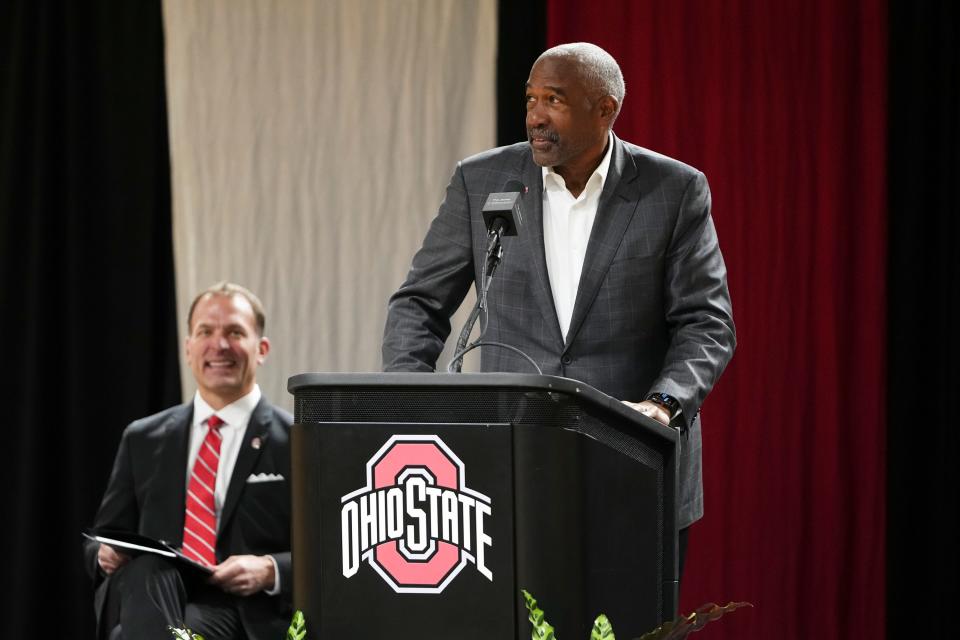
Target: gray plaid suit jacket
652, 311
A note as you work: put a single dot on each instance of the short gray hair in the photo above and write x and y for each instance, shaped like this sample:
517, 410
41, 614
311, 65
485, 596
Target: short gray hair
600, 72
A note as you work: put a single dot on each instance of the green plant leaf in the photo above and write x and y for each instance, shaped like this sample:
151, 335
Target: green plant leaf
602, 629
184, 634
685, 625
541, 628
298, 627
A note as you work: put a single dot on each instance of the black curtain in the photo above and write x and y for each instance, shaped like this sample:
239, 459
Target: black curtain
87, 306
521, 38
924, 319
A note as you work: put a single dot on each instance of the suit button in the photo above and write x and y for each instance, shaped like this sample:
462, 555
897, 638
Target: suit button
566, 359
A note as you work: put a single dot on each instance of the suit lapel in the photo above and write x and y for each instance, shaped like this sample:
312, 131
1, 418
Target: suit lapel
172, 470
246, 459
618, 202
532, 240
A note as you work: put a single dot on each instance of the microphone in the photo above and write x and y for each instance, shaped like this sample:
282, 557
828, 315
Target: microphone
503, 210
503, 216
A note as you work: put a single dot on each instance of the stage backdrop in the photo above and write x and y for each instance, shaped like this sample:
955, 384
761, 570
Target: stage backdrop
782, 105
310, 147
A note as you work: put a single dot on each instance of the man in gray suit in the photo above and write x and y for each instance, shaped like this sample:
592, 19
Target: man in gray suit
615, 278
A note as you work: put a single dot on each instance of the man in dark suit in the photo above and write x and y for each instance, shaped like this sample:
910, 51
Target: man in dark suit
615, 279
210, 476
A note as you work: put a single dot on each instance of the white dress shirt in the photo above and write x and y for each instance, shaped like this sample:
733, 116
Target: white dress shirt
567, 223
236, 417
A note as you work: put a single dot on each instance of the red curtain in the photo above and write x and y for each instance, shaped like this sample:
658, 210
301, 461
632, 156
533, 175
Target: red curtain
783, 106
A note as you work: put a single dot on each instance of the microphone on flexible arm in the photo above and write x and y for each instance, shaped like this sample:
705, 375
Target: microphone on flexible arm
503, 216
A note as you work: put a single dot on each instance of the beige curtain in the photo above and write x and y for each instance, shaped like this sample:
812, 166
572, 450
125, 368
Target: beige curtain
310, 144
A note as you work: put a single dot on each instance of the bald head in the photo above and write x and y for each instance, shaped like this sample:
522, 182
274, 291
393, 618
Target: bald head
598, 71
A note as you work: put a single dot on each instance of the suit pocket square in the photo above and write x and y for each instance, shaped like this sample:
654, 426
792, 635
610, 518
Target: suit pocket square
264, 477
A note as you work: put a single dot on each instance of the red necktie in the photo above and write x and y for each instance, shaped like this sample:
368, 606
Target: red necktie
200, 521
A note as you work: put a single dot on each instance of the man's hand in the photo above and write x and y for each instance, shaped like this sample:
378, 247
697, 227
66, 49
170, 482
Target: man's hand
110, 559
651, 410
244, 575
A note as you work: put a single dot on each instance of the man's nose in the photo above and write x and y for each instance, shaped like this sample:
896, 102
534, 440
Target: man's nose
536, 115
222, 342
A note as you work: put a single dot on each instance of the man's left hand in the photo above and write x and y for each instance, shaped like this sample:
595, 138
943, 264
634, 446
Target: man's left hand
651, 410
244, 575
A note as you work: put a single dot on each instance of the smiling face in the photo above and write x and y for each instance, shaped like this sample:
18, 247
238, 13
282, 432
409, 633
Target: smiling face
224, 348
566, 126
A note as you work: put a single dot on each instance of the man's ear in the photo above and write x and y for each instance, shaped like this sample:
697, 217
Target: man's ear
263, 348
609, 107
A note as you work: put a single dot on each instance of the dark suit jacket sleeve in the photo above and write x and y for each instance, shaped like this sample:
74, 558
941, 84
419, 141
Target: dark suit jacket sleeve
697, 302
418, 314
285, 567
118, 510
260, 521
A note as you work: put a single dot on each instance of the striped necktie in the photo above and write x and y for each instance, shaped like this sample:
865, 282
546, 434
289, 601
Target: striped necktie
200, 521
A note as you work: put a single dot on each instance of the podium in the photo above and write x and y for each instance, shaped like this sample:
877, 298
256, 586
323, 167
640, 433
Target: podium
423, 503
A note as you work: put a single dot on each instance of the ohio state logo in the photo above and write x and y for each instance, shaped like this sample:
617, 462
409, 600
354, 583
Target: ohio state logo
416, 522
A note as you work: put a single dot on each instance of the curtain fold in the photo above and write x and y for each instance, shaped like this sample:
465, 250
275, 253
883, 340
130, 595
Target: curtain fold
923, 559
310, 147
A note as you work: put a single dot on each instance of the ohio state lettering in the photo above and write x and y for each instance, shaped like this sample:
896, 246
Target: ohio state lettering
416, 522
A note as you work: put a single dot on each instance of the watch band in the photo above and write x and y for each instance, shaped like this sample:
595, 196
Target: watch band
665, 400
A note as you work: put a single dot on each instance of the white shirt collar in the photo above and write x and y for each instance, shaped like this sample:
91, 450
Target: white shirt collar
235, 414
599, 176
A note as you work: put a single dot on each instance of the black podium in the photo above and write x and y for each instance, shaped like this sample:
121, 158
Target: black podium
423, 503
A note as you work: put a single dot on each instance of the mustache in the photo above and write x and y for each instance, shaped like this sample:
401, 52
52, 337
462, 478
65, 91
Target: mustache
543, 132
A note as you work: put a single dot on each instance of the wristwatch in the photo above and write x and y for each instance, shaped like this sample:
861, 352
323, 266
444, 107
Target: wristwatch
665, 400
